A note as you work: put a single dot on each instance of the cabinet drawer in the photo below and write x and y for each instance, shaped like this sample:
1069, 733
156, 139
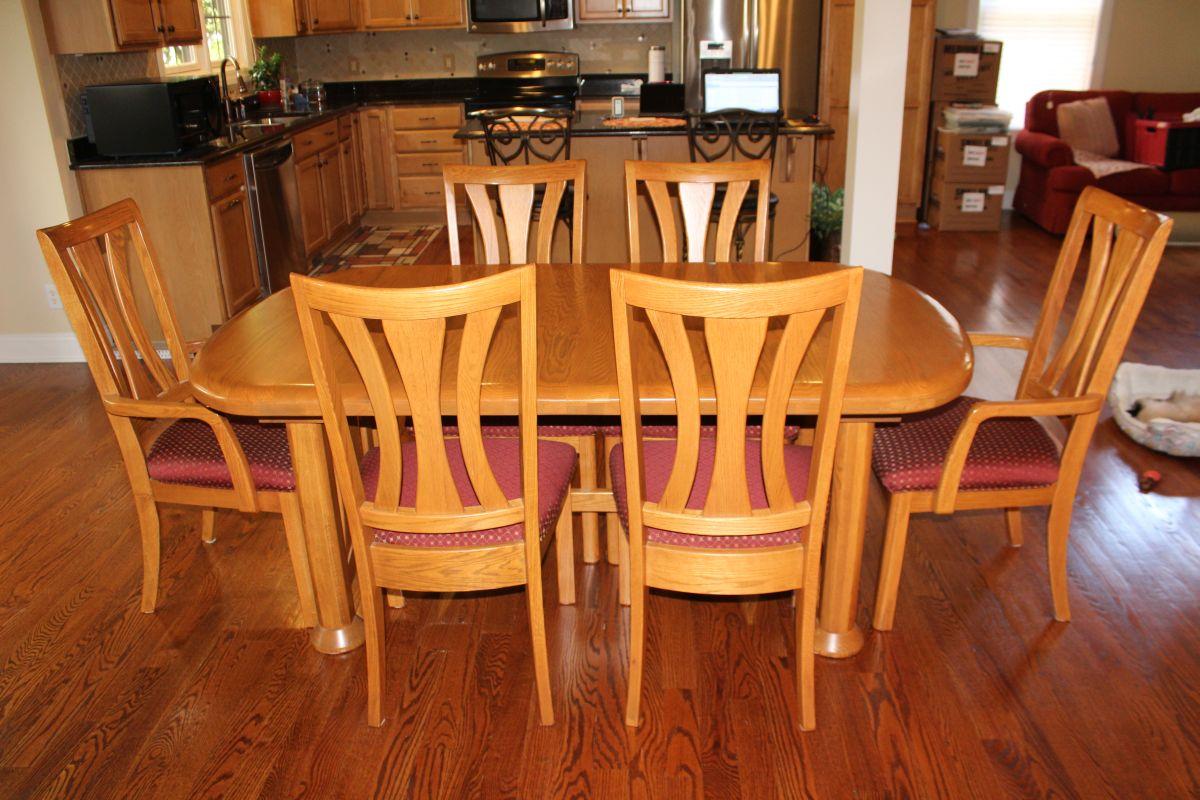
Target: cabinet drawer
224, 177
421, 192
404, 117
424, 163
418, 141
316, 138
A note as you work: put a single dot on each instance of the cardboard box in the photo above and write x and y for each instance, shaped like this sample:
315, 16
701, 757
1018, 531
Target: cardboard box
965, 68
965, 206
971, 157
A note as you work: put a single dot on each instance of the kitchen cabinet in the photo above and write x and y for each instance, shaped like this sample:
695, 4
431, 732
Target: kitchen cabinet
333, 197
377, 157
423, 141
276, 18
312, 211
234, 237
108, 26
322, 183
352, 172
331, 15
384, 14
438, 13
623, 10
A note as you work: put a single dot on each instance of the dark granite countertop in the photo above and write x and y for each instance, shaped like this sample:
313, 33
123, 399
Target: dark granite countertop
591, 123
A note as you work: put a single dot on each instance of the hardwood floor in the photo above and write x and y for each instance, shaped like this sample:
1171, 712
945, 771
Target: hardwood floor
976, 693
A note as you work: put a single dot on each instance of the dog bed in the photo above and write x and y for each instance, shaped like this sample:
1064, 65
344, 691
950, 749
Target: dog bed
1134, 382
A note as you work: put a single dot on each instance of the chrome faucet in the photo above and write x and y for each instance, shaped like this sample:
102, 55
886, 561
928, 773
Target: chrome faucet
225, 98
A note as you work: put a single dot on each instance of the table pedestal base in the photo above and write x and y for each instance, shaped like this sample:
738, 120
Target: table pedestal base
838, 645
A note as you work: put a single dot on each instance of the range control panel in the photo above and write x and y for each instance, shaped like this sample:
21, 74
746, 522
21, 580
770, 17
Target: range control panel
527, 65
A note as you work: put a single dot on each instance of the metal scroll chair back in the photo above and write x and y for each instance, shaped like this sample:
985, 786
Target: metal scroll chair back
733, 132
526, 135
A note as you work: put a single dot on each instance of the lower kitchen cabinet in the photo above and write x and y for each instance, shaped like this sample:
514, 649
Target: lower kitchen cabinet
324, 213
234, 237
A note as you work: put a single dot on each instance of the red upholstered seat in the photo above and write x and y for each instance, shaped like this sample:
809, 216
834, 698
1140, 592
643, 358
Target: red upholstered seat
556, 465
512, 431
1006, 454
659, 456
187, 452
710, 431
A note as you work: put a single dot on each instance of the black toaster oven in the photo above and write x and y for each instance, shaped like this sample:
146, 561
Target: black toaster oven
153, 117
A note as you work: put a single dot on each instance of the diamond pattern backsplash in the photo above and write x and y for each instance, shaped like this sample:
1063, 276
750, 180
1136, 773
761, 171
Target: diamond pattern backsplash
78, 71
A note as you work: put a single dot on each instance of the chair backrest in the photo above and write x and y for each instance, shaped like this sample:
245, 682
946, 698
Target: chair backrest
406, 331
95, 261
521, 134
1127, 244
732, 132
737, 334
515, 191
696, 185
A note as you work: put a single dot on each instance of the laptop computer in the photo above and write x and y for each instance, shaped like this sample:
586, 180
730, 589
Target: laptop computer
751, 89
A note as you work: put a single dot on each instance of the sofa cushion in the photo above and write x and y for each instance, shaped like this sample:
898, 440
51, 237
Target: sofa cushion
1088, 125
1138, 182
1185, 181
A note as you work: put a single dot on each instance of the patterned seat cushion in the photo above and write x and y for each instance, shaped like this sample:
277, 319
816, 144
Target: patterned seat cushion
708, 431
513, 431
556, 465
658, 457
187, 452
1006, 454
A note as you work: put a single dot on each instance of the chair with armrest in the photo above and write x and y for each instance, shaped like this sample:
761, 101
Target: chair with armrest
175, 451
977, 454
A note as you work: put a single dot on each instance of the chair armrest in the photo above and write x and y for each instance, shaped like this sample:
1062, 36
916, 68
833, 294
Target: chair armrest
166, 407
193, 347
1044, 150
1010, 341
956, 458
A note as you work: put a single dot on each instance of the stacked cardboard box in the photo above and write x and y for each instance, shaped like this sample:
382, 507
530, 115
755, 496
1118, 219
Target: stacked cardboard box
965, 170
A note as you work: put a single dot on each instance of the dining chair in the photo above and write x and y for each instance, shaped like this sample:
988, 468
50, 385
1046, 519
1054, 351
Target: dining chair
522, 135
735, 133
982, 454
733, 514
558, 185
696, 186
175, 450
438, 513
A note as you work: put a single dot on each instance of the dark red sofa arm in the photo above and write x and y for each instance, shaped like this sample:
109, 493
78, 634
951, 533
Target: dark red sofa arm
1043, 149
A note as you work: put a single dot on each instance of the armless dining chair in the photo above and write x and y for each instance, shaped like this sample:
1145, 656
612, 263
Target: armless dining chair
439, 513
980, 454
175, 451
730, 514
502, 198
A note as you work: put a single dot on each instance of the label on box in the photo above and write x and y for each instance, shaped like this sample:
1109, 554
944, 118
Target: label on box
999, 141
966, 65
996, 189
991, 47
971, 202
974, 155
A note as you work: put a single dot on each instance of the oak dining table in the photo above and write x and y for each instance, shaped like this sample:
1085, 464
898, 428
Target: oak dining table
910, 355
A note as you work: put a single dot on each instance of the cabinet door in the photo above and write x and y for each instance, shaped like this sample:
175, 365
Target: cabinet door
356, 166
599, 9
274, 18
331, 15
349, 185
377, 157
135, 22
332, 191
438, 13
182, 21
647, 9
312, 210
235, 251
387, 13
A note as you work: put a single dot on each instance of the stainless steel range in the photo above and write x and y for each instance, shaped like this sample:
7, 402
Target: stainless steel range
533, 79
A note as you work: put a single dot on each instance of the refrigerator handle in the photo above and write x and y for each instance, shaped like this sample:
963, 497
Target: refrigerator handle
751, 51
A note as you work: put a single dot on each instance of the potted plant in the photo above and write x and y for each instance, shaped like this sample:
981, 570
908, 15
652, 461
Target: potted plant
825, 223
265, 74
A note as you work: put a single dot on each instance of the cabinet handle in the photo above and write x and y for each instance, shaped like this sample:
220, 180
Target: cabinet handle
170, 29
429, 164
234, 203
429, 141
426, 119
231, 177
161, 29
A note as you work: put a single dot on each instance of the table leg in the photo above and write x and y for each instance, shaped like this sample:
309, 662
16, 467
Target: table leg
338, 629
838, 634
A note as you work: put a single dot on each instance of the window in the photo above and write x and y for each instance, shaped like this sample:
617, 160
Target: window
220, 40
1047, 45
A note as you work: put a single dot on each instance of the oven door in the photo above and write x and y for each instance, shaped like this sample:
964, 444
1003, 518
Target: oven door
520, 16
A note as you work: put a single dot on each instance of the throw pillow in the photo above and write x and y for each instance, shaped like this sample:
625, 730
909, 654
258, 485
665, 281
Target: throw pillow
1088, 125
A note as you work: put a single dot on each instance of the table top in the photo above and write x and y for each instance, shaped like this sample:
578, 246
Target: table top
909, 354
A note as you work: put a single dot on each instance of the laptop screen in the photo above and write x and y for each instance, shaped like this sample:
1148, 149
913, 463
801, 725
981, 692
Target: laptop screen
752, 90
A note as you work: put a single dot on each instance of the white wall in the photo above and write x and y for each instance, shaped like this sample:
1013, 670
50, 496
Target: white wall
37, 189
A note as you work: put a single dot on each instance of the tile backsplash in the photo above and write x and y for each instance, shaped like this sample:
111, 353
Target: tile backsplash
78, 71
391, 55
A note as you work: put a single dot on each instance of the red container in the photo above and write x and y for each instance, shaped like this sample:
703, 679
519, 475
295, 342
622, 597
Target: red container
1166, 144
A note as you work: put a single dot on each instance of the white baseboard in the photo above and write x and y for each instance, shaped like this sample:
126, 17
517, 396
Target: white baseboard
39, 348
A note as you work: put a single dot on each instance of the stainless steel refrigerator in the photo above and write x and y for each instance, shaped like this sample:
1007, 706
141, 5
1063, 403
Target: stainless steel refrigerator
747, 34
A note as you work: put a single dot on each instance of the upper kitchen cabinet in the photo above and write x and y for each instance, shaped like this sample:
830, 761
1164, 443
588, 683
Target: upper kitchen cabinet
438, 13
385, 14
623, 10
275, 18
107, 26
331, 15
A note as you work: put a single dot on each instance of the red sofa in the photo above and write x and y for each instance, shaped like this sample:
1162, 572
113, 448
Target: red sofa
1050, 180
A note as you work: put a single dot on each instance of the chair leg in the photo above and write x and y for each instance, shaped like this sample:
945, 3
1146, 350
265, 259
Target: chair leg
293, 529
637, 653
541, 662
623, 587
806, 631
894, 539
1059, 528
373, 619
208, 521
590, 520
612, 522
394, 597
564, 547
147, 512
1012, 518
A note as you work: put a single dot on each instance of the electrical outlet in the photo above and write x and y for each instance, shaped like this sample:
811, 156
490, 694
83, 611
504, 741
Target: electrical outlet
448, 62
52, 298
355, 68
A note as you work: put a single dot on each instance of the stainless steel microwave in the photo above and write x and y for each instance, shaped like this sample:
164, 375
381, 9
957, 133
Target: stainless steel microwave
520, 16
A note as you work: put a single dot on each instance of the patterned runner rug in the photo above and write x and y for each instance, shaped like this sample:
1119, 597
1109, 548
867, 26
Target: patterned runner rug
387, 246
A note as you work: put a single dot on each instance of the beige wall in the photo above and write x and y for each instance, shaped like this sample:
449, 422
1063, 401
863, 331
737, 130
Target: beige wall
38, 189
1153, 45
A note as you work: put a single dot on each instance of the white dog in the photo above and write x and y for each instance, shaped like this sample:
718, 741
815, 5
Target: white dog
1180, 406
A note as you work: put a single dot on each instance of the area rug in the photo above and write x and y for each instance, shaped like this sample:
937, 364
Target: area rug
382, 246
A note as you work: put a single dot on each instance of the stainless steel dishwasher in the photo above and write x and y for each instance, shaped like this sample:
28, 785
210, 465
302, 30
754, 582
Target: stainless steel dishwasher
275, 211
